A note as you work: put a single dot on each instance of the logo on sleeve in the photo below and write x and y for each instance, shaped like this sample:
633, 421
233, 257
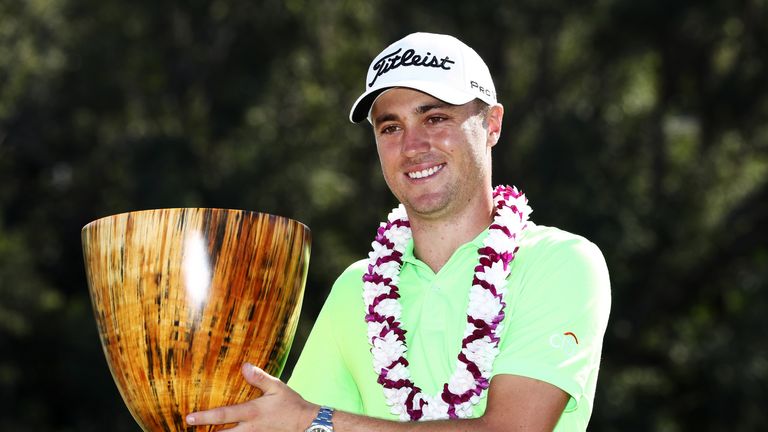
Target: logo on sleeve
568, 342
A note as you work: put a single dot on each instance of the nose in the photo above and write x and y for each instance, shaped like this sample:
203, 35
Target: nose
415, 141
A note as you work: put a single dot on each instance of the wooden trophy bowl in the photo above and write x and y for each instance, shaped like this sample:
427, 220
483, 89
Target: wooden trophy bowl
183, 297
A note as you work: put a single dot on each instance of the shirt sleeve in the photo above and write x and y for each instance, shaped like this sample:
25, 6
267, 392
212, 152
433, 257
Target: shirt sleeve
558, 306
321, 374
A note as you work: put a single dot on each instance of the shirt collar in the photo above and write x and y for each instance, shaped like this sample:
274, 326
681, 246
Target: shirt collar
475, 244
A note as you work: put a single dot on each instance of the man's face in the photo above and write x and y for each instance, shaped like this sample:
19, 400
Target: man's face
436, 157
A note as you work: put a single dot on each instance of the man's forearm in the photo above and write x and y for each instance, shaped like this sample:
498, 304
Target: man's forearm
346, 422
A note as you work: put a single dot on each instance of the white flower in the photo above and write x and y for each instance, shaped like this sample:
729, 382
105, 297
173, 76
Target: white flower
375, 328
496, 274
399, 236
396, 400
398, 372
386, 350
462, 380
379, 251
523, 207
435, 409
482, 304
372, 290
389, 270
396, 397
499, 241
516, 225
482, 352
464, 410
504, 215
513, 220
417, 398
397, 213
389, 307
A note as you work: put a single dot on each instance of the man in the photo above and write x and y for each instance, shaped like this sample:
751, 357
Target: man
466, 314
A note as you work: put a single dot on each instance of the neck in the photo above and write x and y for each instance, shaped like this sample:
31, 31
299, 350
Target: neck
435, 240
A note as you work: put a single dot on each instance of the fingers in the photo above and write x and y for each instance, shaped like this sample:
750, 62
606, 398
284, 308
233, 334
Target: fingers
221, 415
241, 412
256, 377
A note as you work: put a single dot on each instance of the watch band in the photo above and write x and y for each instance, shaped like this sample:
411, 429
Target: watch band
323, 422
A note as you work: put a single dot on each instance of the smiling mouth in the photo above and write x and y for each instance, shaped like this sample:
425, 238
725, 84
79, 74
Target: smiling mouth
425, 172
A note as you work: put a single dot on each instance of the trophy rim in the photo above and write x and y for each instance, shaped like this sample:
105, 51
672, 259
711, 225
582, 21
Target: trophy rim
181, 209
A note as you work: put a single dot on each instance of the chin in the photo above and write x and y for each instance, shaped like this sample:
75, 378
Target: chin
427, 208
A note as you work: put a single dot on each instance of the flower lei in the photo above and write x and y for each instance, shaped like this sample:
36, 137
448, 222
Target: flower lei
485, 312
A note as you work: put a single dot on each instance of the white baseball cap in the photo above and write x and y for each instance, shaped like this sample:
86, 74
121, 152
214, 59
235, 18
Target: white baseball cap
439, 65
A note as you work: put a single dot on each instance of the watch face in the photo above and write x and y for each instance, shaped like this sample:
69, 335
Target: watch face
319, 428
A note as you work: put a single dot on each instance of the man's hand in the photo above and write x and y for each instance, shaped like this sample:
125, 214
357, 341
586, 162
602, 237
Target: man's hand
278, 409
514, 403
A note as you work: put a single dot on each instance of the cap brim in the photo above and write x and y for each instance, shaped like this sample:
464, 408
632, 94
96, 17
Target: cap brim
362, 105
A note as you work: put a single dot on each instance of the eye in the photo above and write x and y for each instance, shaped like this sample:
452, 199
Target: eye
389, 129
434, 119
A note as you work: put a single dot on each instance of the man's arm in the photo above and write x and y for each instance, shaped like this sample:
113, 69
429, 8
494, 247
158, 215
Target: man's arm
514, 403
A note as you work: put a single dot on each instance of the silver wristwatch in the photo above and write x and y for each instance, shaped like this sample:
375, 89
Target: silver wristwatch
323, 422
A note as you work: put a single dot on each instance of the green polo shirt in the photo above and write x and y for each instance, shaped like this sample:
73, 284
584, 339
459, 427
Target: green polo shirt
557, 311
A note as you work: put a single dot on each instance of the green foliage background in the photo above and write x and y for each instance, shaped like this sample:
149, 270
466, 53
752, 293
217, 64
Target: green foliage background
642, 125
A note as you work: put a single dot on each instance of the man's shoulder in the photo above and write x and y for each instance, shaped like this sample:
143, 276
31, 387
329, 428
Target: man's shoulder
355, 270
555, 264
546, 235
352, 277
540, 242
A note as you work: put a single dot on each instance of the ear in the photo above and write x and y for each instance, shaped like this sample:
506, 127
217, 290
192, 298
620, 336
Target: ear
494, 119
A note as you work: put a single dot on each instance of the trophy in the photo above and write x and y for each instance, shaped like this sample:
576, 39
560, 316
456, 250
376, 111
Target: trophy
183, 297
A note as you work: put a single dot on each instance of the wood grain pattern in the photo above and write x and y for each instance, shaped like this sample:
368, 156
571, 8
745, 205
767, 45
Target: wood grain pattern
183, 297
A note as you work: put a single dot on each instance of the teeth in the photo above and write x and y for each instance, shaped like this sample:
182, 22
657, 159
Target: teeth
425, 173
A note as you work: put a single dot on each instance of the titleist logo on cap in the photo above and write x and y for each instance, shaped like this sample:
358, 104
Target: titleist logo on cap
408, 58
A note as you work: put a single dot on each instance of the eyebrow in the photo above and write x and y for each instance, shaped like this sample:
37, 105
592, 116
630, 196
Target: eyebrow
426, 108
421, 109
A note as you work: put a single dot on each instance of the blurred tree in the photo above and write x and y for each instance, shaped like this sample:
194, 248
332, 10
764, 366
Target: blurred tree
641, 125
